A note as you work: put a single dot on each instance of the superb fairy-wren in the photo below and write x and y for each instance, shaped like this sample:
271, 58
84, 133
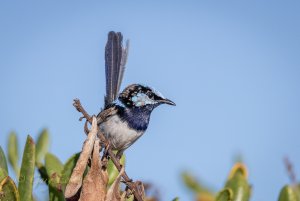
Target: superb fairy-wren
128, 113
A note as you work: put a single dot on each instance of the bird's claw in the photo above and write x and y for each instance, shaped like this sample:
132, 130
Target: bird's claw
106, 148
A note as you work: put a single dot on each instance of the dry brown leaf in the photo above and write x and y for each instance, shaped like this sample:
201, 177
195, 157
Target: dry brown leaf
113, 193
75, 181
95, 183
141, 190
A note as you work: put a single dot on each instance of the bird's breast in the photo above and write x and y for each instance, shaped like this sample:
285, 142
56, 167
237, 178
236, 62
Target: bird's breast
119, 134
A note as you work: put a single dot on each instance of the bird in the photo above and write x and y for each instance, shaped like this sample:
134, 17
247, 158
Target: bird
127, 113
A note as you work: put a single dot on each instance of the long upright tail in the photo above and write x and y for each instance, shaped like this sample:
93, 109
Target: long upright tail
115, 61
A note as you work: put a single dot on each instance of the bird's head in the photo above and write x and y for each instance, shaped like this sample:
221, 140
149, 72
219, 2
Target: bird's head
137, 95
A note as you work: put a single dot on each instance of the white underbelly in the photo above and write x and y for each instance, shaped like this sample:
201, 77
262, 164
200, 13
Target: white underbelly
118, 133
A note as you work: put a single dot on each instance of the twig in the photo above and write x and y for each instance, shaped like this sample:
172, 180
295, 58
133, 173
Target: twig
290, 170
80, 109
131, 185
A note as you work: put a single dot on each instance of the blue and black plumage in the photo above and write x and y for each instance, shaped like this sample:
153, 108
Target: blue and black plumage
127, 113
115, 61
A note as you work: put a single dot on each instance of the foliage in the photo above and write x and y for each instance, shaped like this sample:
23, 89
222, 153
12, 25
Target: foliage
57, 174
236, 187
53, 172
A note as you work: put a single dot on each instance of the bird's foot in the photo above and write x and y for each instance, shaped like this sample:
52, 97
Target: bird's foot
119, 154
106, 148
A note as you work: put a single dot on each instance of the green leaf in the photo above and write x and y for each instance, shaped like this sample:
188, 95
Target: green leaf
193, 184
113, 171
287, 193
3, 174
27, 170
297, 191
42, 146
67, 170
54, 170
8, 190
176, 199
131, 198
53, 164
55, 188
3, 163
13, 152
225, 195
238, 183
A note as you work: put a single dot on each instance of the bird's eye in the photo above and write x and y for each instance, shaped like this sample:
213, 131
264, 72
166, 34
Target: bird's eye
150, 95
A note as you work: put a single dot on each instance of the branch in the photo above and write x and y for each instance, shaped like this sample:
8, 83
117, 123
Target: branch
134, 187
290, 170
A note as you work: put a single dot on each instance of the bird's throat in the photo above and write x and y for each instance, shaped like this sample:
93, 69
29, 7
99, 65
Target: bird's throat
137, 117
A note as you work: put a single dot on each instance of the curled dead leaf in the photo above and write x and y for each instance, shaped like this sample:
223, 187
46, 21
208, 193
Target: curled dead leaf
95, 183
75, 181
113, 193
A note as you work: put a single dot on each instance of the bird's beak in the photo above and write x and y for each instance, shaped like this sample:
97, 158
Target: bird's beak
167, 101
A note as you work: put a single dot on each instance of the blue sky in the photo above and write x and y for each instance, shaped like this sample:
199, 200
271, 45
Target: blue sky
231, 67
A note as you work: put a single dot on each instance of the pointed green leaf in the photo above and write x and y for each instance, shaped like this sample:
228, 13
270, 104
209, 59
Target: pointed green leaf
8, 190
54, 170
13, 152
67, 171
27, 170
3, 174
42, 146
238, 183
113, 171
53, 164
176, 199
55, 188
194, 185
225, 195
287, 193
3, 163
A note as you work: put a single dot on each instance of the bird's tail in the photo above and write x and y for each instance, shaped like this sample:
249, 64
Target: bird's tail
115, 61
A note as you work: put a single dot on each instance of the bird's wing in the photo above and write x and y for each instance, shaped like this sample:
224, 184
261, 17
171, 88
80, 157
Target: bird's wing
115, 61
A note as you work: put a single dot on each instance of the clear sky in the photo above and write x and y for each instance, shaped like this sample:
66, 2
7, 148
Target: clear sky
232, 67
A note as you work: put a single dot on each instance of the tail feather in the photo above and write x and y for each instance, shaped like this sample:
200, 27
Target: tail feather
123, 64
115, 61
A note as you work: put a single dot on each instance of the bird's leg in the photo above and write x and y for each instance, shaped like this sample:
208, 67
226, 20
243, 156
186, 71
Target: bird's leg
106, 148
119, 154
